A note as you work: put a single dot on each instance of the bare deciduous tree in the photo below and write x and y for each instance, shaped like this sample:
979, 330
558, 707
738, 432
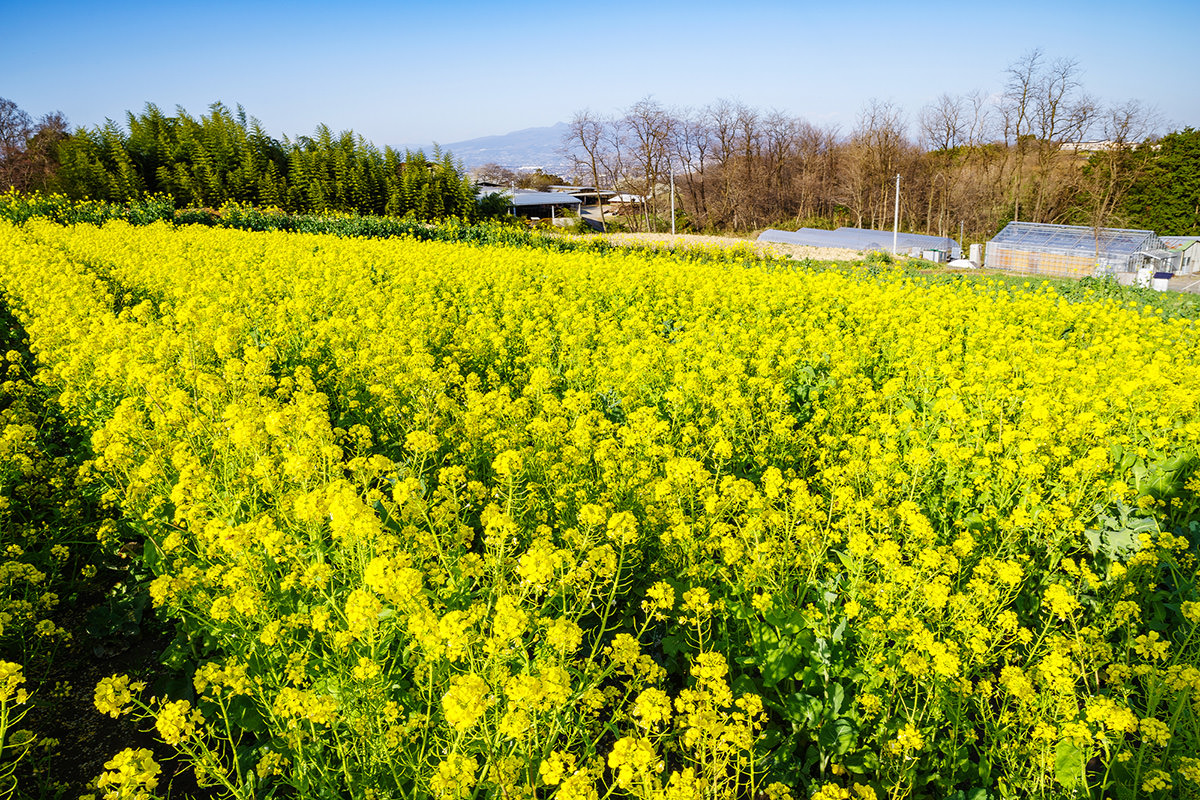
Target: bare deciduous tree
585, 143
494, 173
27, 149
1118, 162
943, 122
979, 159
693, 145
651, 129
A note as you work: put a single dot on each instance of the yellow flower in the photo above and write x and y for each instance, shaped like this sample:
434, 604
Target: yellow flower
564, 636
114, 695
507, 464
623, 528
660, 599
1151, 646
466, 700
552, 768
366, 669
907, 741
652, 708
1156, 781
11, 678
1059, 601
831, 791
455, 776
130, 775
633, 758
177, 721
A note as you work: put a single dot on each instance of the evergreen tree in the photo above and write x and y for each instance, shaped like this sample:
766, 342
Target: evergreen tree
1167, 199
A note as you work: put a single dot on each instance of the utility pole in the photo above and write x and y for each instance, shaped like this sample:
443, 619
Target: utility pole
671, 168
896, 219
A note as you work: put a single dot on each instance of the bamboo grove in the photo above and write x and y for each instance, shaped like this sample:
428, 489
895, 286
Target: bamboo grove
438, 520
225, 157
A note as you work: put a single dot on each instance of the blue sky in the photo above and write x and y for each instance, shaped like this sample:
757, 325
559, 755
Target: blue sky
416, 72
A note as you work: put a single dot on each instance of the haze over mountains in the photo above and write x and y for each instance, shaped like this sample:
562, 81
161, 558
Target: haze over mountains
528, 148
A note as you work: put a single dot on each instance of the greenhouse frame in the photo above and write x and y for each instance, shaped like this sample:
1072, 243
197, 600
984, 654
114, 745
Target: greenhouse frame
1071, 251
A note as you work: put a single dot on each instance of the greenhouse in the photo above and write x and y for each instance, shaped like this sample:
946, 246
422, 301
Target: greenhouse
864, 239
1071, 251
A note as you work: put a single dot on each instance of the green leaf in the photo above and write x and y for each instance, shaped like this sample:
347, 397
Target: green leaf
245, 714
674, 645
787, 621
779, 664
1068, 764
1165, 478
969, 794
744, 684
837, 736
835, 695
802, 708
864, 761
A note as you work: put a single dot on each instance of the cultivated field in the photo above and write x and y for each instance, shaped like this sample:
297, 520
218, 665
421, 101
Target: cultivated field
442, 520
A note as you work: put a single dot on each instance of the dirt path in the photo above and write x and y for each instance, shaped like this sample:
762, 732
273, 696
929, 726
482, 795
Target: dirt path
689, 240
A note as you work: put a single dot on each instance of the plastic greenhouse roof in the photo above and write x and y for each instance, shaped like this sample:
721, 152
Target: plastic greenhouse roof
811, 237
1042, 236
882, 240
859, 239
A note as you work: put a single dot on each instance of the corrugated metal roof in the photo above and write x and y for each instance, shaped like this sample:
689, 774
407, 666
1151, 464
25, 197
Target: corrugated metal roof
1179, 242
528, 197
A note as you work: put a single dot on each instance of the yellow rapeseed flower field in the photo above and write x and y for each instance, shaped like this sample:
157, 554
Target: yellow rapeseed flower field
452, 521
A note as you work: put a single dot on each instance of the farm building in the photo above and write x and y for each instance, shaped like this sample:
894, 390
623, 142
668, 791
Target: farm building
1073, 251
863, 239
588, 195
538, 205
1187, 250
625, 203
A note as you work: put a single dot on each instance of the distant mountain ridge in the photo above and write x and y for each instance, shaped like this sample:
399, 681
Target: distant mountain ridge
528, 148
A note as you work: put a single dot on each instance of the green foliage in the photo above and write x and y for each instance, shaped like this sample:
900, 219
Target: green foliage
19, 207
493, 206
225, 157
1167, 199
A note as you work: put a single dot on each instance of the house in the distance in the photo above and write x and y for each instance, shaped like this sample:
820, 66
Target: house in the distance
1187, 250
534, 204
588, 195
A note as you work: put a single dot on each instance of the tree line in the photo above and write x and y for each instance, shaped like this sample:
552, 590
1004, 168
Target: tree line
226, 156
1041, 150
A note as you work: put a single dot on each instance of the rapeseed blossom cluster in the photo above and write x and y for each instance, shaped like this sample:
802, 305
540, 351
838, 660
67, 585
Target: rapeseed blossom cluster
114, 696
498, 522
